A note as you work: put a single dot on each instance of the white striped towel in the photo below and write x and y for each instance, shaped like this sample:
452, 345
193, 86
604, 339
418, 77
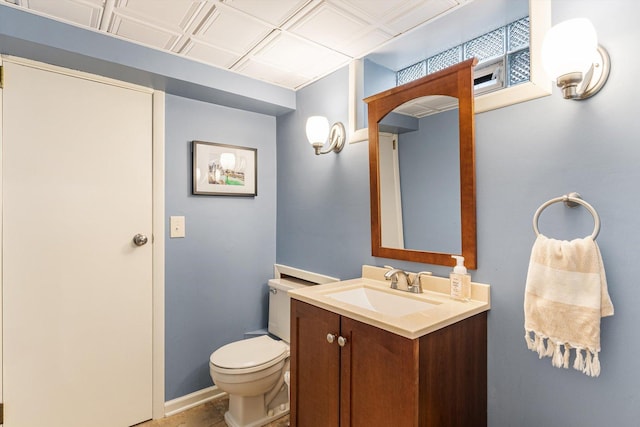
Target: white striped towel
565, 297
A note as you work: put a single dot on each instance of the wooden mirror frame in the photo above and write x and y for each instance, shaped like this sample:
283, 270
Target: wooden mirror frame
455, 81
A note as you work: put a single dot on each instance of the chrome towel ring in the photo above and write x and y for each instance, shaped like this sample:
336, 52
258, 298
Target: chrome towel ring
571, 200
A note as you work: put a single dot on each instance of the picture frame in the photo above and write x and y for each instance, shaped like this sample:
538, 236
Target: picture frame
224, 170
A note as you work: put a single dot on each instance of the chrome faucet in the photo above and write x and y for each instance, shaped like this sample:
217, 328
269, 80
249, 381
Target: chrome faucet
416, 287
397, 275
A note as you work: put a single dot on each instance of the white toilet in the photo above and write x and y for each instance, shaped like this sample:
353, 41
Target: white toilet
252, 371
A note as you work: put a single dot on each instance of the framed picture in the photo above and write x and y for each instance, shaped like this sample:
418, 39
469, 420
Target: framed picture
224, 170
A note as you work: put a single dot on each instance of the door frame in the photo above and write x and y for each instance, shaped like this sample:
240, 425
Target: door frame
158, 235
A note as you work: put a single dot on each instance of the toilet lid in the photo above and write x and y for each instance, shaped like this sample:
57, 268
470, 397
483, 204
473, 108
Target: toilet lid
248, 353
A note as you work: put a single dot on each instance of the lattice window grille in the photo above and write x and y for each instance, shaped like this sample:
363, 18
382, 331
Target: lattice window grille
411, 73
444, 59
511, 41
518, 34
519, 67
486, 46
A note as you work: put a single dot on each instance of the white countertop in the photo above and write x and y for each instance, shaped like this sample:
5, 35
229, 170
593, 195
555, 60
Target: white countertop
443, 311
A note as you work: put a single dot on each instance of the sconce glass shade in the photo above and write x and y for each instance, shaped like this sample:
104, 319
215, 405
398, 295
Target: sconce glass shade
317, 130
572, 58
569, 47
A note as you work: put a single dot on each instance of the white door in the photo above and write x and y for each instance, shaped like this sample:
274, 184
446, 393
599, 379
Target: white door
390, 194
77, 293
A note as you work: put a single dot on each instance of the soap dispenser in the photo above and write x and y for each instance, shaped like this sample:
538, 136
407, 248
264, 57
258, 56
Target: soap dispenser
460, 280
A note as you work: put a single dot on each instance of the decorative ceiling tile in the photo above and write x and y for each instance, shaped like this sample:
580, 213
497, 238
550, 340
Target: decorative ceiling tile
297, 55
209, 54
143, 32
232, 30
330, 26
427, 105
86, 13
261, 71
175, 15
360, 46
418, 14
377, 10
273, 12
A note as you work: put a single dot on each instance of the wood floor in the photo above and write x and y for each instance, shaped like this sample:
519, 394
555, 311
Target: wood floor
210, 414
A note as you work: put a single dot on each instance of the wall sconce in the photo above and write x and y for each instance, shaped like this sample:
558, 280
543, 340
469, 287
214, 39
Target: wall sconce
318, 131
572, 56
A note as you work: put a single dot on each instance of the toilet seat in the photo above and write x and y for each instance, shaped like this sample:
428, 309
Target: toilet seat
250, 355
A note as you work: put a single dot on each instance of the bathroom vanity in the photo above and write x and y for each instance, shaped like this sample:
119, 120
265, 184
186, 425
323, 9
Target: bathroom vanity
420, 360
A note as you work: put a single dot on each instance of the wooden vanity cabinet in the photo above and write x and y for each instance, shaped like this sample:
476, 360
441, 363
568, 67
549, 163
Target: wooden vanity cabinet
382, 379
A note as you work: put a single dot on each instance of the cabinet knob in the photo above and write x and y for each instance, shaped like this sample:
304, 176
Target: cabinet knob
330, 338
342, 341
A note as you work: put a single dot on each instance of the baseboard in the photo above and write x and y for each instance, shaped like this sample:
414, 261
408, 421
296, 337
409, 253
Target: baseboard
191, 400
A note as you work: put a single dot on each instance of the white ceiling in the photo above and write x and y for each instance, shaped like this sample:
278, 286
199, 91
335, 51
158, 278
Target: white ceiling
289, 43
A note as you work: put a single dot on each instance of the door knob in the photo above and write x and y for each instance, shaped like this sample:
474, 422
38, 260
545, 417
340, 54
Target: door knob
140, 240
342, 341
330, 338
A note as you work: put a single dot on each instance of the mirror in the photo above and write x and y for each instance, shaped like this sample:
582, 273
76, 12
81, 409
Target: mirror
422, 135
422, 169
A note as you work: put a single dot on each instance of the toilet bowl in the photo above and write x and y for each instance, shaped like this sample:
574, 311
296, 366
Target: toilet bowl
252, 371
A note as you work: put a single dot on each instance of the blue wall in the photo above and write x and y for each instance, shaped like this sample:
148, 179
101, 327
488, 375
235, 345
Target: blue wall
323, 201
216, 277
526, 154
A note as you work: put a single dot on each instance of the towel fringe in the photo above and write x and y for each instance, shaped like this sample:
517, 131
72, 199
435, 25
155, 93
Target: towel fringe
540, 348
557, 356
567, 355
588, 370
560, 354
530, 342
595, 365
578, 364
551, 348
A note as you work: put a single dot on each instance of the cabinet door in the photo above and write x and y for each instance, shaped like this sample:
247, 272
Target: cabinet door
315, 367
379, 384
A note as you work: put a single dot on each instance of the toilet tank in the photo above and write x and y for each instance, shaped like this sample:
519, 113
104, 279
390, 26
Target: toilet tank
280, 305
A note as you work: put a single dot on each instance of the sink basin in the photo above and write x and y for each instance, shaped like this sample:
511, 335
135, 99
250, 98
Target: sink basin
382, 302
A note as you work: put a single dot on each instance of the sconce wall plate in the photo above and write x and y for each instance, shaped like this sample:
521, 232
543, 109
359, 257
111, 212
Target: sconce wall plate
598, 74
575, 86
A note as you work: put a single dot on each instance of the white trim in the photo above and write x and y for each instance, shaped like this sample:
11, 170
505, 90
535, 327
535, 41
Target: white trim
192, 400
157, 400
279, 270
1, 239
356, 92
75, 73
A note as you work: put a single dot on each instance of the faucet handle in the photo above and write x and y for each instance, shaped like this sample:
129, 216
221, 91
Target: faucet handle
392, 275
416, 287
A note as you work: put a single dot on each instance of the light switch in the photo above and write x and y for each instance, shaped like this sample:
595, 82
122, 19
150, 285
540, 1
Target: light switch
177, 226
